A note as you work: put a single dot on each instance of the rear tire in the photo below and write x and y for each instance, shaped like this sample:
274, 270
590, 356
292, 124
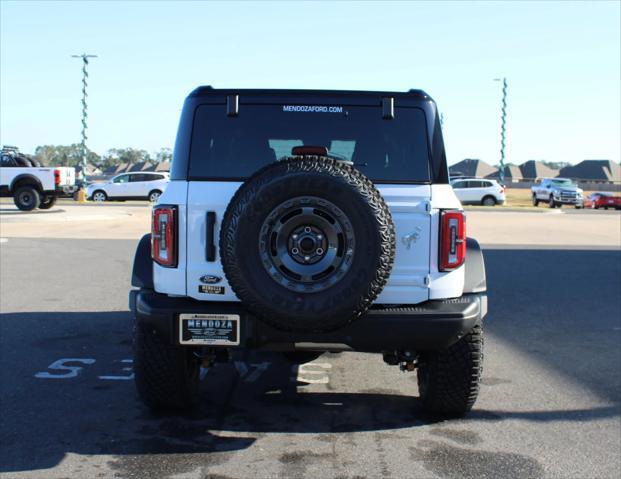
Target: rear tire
27, 198
47, 202
166, 376
535, 201
99, 196
154, 196
448, 380
489, 201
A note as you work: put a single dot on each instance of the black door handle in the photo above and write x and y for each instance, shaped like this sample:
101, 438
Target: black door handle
211, 244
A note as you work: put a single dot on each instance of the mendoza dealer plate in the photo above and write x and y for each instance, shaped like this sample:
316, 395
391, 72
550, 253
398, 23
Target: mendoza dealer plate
209, 329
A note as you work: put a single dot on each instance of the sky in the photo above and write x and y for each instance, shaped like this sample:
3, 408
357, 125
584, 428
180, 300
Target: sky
561, 61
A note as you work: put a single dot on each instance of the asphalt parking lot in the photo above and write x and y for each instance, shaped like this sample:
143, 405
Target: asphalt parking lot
550, 404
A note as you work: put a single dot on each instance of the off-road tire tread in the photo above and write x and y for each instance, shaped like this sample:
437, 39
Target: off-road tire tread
161, 372
249, 191
453, 376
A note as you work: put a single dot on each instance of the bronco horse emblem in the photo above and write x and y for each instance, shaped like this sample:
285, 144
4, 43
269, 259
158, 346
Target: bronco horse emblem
412, 237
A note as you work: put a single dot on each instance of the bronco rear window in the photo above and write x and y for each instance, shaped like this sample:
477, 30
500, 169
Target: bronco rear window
233, 148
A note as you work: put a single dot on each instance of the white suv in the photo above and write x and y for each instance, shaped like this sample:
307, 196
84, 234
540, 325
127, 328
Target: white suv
476, 191
130, 186
304, 222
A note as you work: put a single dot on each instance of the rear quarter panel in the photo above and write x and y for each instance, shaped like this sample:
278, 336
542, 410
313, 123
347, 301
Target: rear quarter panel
45, 176
172, 280
443, 284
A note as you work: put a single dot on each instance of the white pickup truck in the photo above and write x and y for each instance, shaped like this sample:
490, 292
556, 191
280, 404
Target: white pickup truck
557, 192
33, 187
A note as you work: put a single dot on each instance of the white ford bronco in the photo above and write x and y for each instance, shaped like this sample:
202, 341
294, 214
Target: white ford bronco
304, 222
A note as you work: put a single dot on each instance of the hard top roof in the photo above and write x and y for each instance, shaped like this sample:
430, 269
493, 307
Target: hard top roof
208, 90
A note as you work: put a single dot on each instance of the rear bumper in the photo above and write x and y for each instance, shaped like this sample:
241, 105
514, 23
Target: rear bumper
57, 191
68, 189
427, 326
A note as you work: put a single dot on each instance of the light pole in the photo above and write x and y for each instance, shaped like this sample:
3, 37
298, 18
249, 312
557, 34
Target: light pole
84, 58
503, 124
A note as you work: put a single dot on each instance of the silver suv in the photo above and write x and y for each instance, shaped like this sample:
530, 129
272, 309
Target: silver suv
476, 191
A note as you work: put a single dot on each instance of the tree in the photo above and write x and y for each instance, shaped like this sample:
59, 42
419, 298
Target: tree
62, 155
115, 156
165, 154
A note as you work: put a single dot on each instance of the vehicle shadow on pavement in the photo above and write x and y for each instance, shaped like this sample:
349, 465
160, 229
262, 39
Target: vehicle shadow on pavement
14, 211
560, 308
46, 418
74, 394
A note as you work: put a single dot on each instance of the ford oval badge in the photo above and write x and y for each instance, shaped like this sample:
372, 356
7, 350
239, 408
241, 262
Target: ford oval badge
210, 279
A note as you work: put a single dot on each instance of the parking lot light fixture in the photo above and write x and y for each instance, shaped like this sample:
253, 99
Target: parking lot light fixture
84, 57
503, 124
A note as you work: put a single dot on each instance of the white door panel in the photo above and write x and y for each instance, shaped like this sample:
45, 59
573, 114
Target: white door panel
117, 189
203, 197
146, 187
412, 222
477, 194
408, 205
443, 284
134, 188
173, 280
143, 188
471, 194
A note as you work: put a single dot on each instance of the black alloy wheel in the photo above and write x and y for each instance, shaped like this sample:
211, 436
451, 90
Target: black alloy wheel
307, 244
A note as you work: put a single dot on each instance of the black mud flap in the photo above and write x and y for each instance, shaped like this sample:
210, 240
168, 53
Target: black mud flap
475, 281
142, 273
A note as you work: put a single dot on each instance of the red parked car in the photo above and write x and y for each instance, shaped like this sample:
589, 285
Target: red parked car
602, 200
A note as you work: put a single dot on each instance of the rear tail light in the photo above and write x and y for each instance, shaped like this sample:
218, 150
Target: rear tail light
57, 177
452, 239
164, 236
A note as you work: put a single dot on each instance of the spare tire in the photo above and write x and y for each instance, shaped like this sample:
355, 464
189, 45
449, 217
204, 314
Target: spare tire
22, 161
307, 243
